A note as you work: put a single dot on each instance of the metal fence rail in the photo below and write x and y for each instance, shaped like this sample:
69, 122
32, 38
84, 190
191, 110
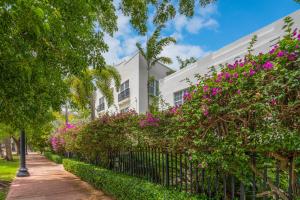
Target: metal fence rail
176, 170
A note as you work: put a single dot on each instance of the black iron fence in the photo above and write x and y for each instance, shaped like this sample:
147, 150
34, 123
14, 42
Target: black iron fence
177, 170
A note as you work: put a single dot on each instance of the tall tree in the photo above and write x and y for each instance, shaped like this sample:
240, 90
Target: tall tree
152, 53
5, 135
83, 87
42, 42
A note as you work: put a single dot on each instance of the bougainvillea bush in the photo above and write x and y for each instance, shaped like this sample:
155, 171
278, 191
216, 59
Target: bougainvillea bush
248, 108
57, 139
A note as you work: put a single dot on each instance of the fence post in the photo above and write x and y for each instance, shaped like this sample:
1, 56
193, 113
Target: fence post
180, 166
191, 176
253, 178
232, 187
224, 187
291, 178
242, 191
265, 179
277, 177
167, 169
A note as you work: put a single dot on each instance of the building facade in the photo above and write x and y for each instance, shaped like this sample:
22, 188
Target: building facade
171, 88
132, 94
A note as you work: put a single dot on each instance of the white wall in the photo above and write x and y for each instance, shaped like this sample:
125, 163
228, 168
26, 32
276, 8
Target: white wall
134, 70
158, 71
177, 81
128, 70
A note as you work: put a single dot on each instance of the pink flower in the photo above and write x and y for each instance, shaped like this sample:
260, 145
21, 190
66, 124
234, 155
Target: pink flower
187, 96
205, 112
227, 75
242, 64
174, 110
219, 79
149, 121
295, 32
292, 57
251, 72
268, 65
273, 49
215, 91
235, 75
230, 66
273, 102
238, 92
205, 88
280, 54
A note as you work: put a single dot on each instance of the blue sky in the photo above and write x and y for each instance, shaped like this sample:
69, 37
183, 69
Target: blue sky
210, 29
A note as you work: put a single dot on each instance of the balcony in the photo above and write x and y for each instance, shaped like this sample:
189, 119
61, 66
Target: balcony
100, 107
124, 94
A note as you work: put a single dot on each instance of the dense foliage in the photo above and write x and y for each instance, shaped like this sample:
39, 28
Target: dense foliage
245, 109
122, 186
54, 157
44, 42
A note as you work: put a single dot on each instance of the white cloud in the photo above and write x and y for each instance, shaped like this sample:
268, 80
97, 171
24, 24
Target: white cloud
123, 43
184, 51
203, 19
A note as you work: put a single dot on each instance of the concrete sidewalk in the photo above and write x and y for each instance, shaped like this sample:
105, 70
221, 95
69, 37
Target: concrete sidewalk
49, 181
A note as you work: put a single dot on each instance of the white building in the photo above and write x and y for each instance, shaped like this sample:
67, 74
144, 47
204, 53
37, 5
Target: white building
133, 92
172, 87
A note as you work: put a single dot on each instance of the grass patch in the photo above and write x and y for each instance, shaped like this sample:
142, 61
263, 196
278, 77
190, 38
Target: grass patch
8, 171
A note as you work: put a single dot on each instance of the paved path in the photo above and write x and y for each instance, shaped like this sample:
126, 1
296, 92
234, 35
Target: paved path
49, 181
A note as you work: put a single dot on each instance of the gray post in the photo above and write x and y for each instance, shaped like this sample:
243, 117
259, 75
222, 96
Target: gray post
23, 172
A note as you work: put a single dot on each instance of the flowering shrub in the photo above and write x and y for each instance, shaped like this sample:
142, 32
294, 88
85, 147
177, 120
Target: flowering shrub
105, 133
250, 107
57, 139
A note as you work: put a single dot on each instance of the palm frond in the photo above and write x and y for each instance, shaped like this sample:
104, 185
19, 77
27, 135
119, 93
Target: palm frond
116, 77
164, 60
141, 50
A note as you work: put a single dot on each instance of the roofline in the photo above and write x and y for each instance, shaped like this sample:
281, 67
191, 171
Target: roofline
230, 45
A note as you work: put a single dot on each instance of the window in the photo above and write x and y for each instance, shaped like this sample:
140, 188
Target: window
154, 88
101, 105
274, 41
124, 91
124, 110
237, 58
178, 97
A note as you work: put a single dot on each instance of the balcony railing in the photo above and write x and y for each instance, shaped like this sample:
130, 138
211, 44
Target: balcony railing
100, 107
124, 94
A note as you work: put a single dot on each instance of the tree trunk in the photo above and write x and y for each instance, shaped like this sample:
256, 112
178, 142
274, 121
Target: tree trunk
8, 155
17, 143
92, 106
148, 96
1, 151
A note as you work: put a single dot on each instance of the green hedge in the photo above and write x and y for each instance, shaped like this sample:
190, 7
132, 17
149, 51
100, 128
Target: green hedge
54, 157
121, 186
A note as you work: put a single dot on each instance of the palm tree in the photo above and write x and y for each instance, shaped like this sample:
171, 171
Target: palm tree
83, 87
151, 53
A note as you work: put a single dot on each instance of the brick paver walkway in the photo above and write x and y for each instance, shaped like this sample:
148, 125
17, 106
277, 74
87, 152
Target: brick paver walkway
49, 181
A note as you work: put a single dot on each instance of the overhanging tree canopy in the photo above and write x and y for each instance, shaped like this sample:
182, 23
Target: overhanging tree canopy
42, 42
